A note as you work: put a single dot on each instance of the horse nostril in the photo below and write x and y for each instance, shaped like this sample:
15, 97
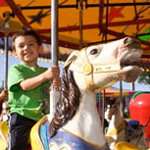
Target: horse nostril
130, 42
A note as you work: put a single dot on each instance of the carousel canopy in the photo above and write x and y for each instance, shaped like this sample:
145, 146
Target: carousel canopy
115, 92
80, 22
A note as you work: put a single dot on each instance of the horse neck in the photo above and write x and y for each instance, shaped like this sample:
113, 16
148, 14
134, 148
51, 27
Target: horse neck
86, 122
88, 106
88, 99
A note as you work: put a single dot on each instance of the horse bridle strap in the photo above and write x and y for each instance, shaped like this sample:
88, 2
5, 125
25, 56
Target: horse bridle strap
87, 68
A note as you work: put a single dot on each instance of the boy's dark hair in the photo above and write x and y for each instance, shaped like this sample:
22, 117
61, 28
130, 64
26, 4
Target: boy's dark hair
26, 32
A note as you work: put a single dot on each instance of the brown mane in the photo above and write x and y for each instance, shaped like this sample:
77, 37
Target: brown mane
68, 103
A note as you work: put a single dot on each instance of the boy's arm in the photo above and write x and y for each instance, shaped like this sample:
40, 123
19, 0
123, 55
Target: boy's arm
32, 83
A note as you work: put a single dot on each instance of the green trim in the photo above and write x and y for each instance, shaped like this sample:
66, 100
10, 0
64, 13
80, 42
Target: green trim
138, 93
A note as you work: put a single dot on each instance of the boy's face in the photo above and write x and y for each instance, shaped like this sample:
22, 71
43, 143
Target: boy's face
27, 50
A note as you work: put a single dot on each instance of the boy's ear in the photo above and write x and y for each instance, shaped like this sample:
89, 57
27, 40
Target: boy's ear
41, 49
15, 54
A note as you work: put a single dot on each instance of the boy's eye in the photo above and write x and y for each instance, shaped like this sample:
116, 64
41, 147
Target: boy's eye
31, 43
21, 46
28, 44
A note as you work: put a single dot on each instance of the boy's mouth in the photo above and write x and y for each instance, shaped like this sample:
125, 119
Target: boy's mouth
27, 53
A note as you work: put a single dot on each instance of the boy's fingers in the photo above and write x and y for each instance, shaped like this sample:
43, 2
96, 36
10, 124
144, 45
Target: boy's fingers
55, 67
55, 70
57, 82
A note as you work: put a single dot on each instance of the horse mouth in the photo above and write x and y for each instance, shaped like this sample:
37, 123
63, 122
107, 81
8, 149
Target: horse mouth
130, 58
129, 69
127, 64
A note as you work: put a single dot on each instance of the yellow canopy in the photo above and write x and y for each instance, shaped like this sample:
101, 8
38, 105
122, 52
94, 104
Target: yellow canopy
81, 22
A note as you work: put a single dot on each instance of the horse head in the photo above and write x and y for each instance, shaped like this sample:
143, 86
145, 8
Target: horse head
102, 65
111, 108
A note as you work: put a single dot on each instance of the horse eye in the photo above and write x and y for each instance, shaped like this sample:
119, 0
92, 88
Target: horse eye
94, 51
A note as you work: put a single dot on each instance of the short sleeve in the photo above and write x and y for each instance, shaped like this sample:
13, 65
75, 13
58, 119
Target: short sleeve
15, 76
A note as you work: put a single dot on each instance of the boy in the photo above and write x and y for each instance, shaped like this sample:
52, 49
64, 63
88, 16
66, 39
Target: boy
27, 85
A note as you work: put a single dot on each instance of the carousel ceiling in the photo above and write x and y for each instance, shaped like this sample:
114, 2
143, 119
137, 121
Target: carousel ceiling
80, 22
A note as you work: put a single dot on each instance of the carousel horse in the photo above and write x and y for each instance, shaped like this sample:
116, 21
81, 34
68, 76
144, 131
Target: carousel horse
3, 125
3, 99
121, 133
4, 108
76, 124
3, 117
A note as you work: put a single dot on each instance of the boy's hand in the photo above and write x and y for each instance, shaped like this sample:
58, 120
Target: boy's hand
51, 73
57, 82
54, 71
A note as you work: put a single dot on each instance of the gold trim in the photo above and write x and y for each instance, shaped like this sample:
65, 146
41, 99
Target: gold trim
126, 146
117, 130
36, 131
94, 68
62, 147
87, 68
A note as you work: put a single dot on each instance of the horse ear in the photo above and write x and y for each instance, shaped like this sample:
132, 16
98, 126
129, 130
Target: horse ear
71, 57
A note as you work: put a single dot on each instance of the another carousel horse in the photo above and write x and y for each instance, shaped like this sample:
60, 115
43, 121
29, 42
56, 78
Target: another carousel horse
76, 123
4, 108
3, 99
119, 130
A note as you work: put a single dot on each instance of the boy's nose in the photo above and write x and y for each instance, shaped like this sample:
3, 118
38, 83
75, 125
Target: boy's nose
25, 47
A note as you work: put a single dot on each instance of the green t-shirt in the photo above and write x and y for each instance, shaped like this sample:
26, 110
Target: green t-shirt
33, 104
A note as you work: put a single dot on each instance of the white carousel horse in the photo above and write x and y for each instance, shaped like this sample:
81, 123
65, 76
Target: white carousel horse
119, 130
76, 123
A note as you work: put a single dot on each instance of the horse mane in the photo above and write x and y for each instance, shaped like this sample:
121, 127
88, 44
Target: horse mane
68, 103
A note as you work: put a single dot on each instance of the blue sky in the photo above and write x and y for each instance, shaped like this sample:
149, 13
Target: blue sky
12, 60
